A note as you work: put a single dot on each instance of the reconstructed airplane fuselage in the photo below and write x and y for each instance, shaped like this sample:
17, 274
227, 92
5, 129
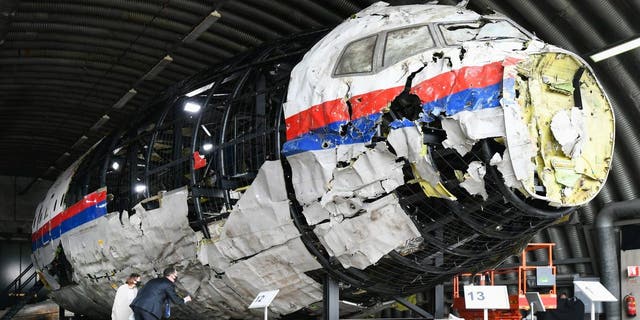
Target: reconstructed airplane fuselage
421, 141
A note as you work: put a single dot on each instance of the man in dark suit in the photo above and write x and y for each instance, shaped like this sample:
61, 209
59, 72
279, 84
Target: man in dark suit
149, 304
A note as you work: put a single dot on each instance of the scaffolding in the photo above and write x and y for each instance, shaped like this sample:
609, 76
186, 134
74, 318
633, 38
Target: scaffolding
517, 301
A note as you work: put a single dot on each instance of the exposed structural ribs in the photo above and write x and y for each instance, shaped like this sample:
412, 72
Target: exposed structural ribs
454, 235
477, 165
389, 172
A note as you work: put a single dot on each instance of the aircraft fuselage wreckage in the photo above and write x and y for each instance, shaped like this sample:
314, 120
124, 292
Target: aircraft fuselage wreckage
408, 144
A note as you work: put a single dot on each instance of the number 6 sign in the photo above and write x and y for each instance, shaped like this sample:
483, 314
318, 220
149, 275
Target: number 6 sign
486, 297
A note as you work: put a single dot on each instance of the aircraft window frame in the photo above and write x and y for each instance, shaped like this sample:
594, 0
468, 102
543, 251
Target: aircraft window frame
379, 49
385, 36
38, 216
373, 62
438, 30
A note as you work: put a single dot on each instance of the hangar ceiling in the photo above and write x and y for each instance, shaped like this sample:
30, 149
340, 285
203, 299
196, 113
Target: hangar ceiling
65, 66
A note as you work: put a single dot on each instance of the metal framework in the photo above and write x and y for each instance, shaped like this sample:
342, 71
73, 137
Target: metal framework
218, 150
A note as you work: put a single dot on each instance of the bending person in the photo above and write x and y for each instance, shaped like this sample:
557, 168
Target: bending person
149, 304
124, 296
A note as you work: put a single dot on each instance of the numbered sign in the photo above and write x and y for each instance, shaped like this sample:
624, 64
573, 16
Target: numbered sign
486, 297
263, 299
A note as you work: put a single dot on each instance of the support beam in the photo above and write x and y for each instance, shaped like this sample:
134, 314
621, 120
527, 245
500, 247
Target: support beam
439, 301
331, 299
413, 308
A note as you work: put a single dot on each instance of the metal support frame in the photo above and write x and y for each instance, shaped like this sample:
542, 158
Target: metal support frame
331, 299
421, 312
438, 291
439, 301
177, 146
132, 161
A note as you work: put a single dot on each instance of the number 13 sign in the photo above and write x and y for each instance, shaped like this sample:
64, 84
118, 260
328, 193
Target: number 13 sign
486, 297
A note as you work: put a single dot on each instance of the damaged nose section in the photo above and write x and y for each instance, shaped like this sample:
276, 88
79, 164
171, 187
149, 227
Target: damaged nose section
559, 129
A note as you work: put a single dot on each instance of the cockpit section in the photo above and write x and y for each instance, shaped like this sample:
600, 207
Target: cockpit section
480, 30
376, 52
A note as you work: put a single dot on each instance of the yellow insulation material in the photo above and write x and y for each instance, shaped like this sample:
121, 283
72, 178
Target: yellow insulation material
546, 88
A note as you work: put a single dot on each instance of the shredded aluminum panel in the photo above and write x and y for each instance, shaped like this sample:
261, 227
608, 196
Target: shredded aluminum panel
311, 172
506, 169
280, 267
474, 179
361, 241
315, 213
261, 218
375, 166
406, 142
569, 131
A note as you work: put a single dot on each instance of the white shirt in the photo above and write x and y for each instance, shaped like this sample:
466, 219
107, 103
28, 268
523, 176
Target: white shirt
121, 309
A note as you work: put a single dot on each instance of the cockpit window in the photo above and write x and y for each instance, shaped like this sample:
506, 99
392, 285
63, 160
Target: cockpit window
406, 42
357, 57
480, 30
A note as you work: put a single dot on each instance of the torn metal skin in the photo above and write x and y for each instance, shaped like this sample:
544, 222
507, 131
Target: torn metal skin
482, 86
386, 174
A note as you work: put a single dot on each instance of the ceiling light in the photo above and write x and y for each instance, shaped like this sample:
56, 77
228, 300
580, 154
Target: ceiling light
616, 49
207, 146
158, 68
63, 156
127, 96
202, 27
199, 90
192, 107
205, 130
80, 141
140, 188
115, 165
100, 123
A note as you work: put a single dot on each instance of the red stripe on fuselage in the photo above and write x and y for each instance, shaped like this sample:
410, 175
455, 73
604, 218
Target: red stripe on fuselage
362, 105
454, 81
88, 201
315, 117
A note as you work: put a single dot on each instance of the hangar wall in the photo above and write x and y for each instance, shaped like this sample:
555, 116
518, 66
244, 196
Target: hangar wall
16, 215
17, 209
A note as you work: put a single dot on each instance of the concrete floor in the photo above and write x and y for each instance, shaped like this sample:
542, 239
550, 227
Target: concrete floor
46, 310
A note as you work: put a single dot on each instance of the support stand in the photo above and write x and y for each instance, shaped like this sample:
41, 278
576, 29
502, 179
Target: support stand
331, 299
535, 303
532, 312
263, 300
439, 302
595, 292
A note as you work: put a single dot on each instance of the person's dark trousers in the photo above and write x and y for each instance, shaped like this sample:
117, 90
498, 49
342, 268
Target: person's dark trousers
140, 314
